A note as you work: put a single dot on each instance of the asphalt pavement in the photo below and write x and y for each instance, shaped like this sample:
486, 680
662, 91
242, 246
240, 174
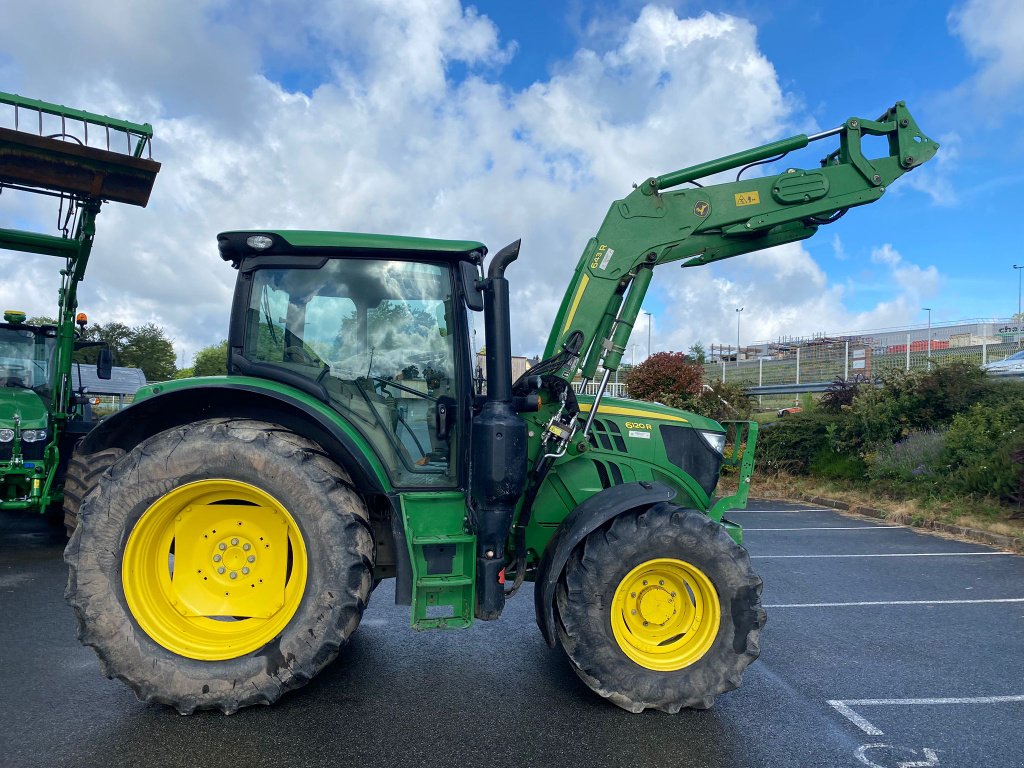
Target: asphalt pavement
885, 647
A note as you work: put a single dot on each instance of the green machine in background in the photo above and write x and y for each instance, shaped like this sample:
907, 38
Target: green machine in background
234, 527
48, 150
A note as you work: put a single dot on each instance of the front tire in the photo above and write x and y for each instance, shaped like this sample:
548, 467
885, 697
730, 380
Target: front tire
660, 609
219, 564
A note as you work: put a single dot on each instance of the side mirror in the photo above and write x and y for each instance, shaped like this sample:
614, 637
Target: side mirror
104, 363
444, 417
474, 296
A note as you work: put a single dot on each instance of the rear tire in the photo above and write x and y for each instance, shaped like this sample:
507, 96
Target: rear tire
149, 523
660, 609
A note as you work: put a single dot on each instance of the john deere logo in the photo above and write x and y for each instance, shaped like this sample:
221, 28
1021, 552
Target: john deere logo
702, 208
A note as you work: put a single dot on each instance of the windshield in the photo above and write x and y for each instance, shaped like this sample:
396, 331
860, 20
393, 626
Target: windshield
25, 359
376, 334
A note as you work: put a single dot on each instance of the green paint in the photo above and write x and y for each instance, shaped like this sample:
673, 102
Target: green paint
322, 410
367, 242
443, 557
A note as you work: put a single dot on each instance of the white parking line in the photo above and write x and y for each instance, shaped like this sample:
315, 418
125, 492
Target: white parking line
876, 554
774, 511
843, 707
898, 602
834, 528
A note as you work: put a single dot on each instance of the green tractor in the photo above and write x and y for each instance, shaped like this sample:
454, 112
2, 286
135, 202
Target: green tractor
236, 526
42, 411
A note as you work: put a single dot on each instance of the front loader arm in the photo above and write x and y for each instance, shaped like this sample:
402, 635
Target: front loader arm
700, 225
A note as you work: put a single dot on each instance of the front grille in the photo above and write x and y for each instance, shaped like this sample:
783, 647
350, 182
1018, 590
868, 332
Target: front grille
29, 451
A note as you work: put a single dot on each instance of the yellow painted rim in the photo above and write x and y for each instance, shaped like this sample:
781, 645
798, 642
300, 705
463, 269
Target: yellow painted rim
180, 557
665, 614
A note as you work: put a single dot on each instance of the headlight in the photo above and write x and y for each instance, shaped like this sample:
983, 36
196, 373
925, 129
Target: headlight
716, 440
6, 435
33, 435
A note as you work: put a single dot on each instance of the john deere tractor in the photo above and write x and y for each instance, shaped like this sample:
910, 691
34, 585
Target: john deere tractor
43, 410
236, 526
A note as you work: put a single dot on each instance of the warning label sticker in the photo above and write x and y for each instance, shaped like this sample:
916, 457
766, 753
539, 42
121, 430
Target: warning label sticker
638, 433
747, 198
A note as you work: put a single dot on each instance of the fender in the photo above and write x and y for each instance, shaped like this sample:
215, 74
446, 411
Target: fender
582, 521
127, 428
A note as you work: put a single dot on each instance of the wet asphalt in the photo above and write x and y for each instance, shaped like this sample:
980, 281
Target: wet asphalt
923, 647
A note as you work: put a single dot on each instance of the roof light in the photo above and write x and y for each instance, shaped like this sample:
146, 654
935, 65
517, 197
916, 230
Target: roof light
82, 319
6, 435
259, 242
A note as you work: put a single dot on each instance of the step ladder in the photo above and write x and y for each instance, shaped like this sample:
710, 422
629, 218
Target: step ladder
443, 558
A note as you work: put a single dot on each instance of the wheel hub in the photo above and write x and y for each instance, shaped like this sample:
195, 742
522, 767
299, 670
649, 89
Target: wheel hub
233, 557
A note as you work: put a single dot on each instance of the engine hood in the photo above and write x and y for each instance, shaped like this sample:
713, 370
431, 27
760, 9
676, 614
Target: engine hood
16, 401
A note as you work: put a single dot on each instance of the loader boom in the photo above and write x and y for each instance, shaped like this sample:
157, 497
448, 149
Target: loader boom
703, 224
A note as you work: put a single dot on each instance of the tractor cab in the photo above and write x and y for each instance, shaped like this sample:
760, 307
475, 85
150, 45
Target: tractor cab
374, 326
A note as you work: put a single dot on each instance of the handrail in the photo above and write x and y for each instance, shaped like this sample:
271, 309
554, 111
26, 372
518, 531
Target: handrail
141, 132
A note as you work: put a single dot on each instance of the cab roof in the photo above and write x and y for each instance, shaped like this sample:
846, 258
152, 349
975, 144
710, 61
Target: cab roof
234, 246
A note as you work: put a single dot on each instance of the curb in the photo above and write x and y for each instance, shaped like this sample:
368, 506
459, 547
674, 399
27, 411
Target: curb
985, 537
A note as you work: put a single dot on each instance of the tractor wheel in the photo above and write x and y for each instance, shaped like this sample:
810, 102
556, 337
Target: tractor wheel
660, 609
219, 565
83, 473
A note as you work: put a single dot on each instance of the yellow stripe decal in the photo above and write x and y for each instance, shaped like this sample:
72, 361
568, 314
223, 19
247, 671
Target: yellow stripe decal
615, 410
576, 302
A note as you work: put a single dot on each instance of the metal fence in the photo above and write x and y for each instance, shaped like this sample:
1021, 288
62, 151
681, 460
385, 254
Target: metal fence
823, 362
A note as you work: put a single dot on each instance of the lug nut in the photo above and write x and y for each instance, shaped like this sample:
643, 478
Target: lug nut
632, 594
234, 542
221, 569
645, 623
216, 558
633, 612
222, 546
233, 575
645, 582
245, 570
252, 559
247, 546
661, 582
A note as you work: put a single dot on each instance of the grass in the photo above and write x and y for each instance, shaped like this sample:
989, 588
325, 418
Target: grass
978, 513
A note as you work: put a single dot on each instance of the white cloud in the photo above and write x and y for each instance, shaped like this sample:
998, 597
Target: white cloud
387, 139
991, 31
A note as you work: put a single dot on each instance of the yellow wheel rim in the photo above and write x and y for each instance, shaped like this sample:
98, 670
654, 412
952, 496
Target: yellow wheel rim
665, 614
214, 569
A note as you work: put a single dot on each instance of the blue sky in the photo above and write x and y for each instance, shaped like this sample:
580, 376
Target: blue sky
498, 120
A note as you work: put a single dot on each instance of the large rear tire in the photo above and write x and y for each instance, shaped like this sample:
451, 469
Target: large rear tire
219, 565
660, 609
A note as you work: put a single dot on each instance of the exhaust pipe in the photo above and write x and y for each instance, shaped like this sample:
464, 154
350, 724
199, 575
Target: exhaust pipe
499, 444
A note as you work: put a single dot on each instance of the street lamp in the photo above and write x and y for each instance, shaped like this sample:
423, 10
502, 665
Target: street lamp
1018, 269
740, 309
649, 322
929, 311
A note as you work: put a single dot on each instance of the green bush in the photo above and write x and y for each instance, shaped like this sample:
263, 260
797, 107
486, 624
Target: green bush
832, 465
982, 448
721, 401
794, 443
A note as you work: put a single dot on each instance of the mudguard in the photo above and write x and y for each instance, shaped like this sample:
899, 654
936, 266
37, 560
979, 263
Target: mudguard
582, 521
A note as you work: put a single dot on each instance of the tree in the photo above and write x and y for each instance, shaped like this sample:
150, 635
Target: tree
211, 361
697, 353
148, 348
665, 374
